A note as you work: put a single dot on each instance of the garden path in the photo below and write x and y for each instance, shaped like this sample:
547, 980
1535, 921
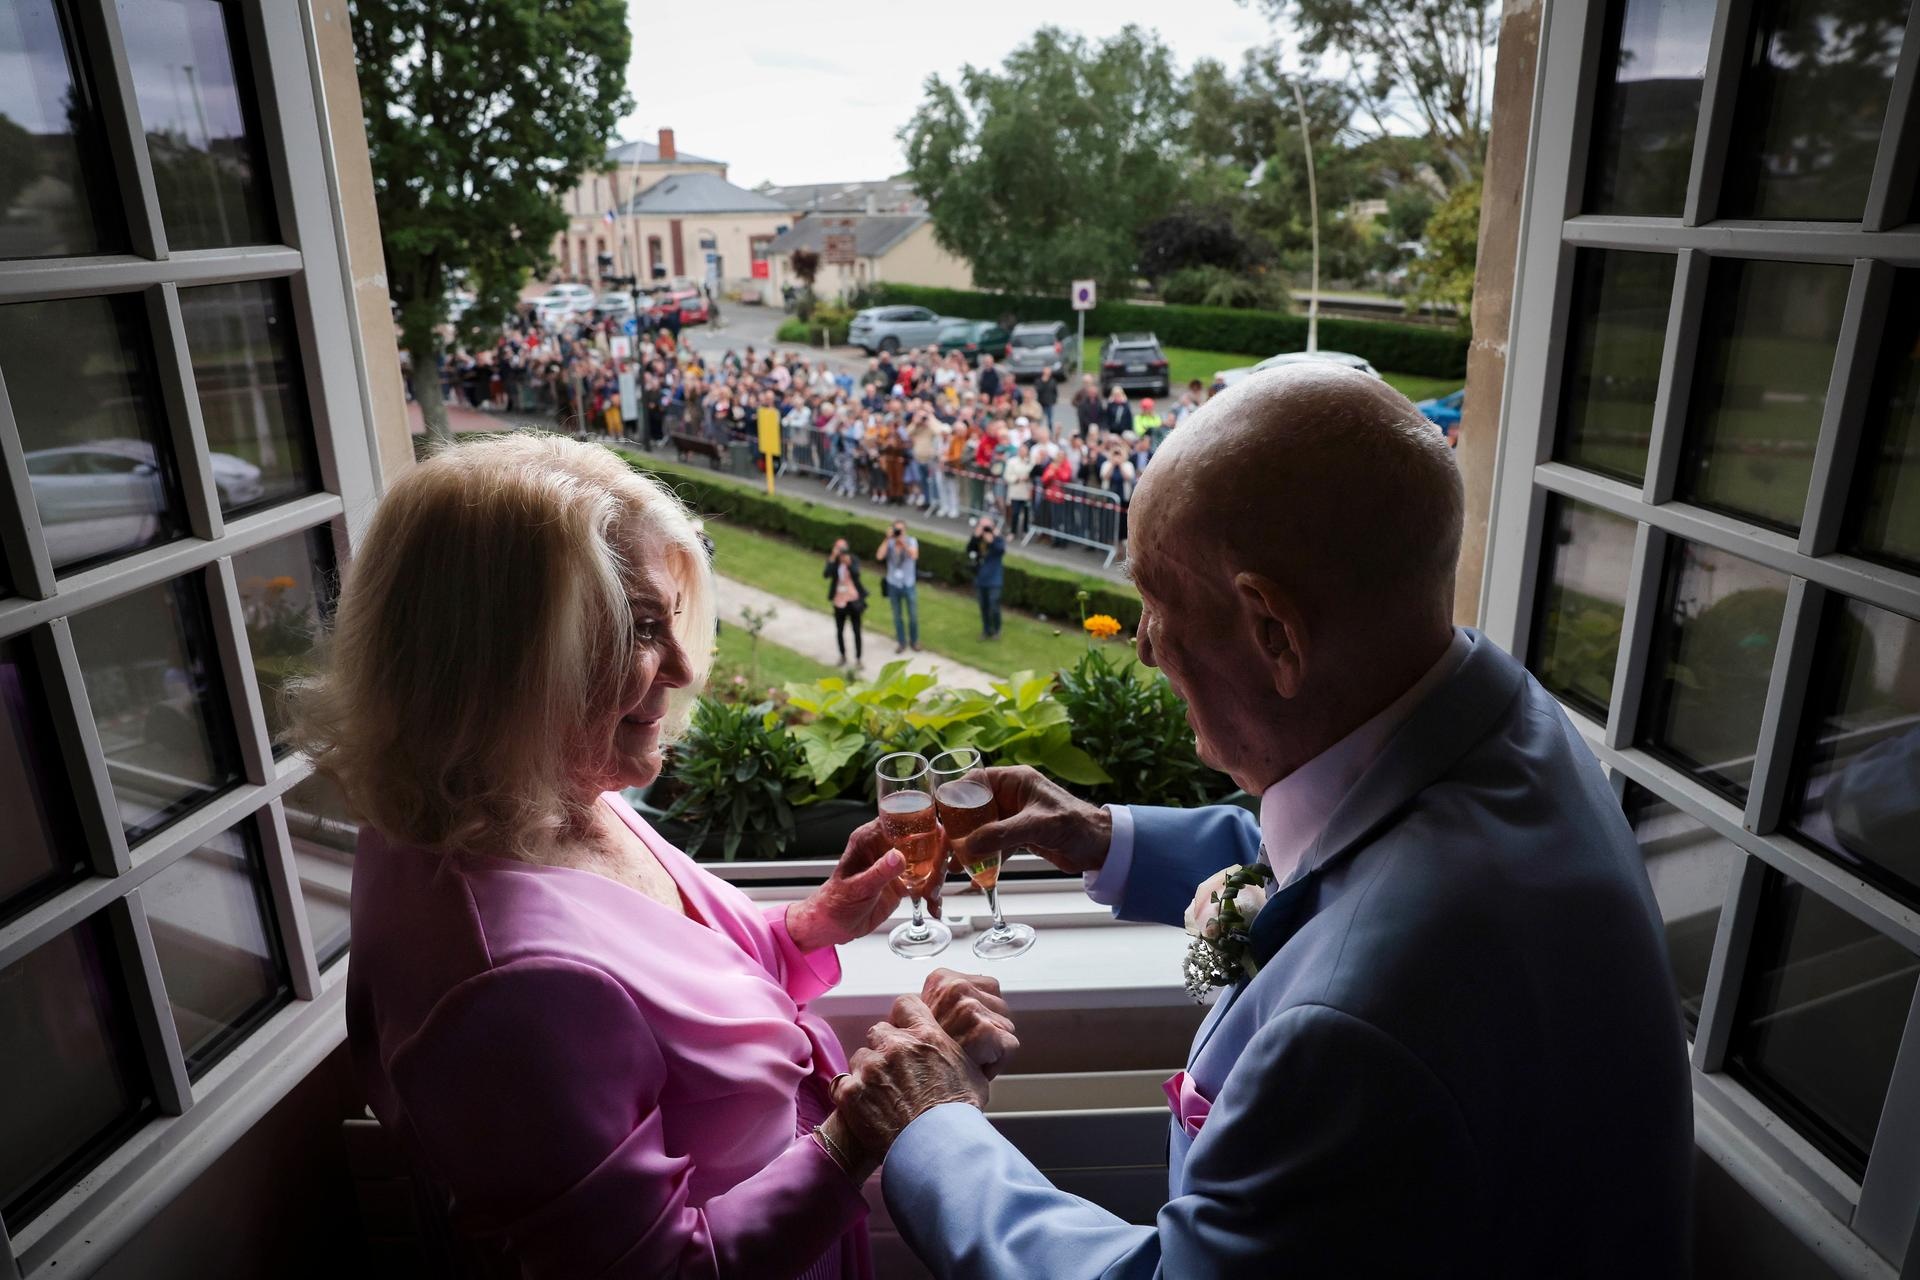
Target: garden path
810, 632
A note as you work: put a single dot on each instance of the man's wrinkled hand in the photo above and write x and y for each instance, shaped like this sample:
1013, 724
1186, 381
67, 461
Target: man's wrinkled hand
970, 1009
1039, 814
908, 1067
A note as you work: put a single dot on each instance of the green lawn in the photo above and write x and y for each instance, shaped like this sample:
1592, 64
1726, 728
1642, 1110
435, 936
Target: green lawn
1184, 364
949, 619
778, 665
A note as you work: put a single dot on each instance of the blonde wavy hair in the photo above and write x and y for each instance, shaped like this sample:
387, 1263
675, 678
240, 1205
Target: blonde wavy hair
483, 633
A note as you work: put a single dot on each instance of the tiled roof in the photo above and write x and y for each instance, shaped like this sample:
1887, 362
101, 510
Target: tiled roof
890, 195
873, 234
649, 153
700, 193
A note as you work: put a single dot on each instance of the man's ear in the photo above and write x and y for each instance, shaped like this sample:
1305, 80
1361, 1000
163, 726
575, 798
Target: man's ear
1279, 630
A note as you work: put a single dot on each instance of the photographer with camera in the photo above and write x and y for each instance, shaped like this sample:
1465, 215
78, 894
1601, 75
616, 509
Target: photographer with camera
986, 552
848, 595
900, 554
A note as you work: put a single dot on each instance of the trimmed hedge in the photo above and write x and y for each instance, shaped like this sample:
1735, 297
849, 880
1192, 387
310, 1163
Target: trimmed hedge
1037, 588
1395, 348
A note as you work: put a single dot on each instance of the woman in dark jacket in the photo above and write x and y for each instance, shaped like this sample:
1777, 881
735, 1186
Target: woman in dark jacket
848, 596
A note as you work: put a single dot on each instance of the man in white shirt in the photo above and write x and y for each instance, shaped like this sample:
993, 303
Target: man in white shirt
1449, 1043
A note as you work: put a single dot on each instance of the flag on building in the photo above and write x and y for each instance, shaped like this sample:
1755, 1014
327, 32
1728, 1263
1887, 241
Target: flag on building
607, 217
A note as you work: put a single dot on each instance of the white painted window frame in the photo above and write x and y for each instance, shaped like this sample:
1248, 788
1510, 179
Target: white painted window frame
1866, 1227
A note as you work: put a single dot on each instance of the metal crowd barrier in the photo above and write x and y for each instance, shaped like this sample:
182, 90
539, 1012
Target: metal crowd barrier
1085, 516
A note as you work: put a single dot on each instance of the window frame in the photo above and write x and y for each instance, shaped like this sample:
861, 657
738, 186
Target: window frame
197, 1118
1869, 1224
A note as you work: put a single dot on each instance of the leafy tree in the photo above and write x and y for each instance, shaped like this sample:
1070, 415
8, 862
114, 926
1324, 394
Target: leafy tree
1043, 171
1197, 237
1445, 273
1425, 62
806, 268
479, 115
20, 163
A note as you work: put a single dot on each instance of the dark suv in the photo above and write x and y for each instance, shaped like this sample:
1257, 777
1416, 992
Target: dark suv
1135, 362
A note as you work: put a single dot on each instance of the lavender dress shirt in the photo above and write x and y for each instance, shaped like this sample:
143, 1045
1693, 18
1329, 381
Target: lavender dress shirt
608, 1087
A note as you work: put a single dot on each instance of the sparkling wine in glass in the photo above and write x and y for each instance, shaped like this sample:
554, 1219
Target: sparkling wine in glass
908, 821
963, 800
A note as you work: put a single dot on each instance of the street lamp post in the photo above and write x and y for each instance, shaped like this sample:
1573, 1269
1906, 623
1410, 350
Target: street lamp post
1313, 213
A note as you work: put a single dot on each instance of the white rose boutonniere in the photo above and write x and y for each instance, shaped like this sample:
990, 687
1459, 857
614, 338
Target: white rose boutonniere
1222, 912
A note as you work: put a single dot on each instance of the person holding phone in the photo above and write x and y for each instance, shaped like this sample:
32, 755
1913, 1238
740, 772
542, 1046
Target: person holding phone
986, 552
900, 554
848, 595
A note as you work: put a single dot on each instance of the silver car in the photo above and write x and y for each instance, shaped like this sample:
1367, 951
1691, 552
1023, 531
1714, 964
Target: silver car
1227, 377
1034, 348
889, 329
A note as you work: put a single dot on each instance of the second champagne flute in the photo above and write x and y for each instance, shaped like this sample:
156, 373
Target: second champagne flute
964, 800
907, 820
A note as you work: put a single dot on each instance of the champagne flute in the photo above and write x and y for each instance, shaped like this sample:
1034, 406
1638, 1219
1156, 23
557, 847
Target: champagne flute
907, 820
963, 801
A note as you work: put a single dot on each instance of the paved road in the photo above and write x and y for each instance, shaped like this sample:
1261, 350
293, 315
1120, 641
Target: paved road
810, 632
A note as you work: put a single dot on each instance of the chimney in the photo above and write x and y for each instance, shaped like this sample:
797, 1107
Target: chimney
872, 205
666, 145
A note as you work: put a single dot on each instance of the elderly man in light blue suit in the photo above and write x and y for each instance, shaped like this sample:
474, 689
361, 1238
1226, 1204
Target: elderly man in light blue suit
1461, 1054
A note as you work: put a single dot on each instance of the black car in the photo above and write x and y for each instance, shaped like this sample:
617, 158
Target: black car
1135, 362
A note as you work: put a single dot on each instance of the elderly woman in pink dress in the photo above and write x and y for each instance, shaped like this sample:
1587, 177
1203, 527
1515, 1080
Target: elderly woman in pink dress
601, 1050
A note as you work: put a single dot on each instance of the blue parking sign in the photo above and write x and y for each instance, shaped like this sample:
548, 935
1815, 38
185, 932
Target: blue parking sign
633, 326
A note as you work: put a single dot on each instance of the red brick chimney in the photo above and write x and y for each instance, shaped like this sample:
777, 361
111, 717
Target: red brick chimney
666, 145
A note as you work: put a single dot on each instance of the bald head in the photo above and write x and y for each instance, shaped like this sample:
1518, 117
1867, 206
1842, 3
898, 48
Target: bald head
1322, 478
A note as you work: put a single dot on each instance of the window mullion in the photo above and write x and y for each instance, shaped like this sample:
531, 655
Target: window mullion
1786, 692
1899, 155
9, 1263
1844, 417
1731, 942
1891, 1187
1713, 137
186, 431
22, 547
236, 664
1636, 634
120, 119
147, 997
1677, 361
81, 751
289, 907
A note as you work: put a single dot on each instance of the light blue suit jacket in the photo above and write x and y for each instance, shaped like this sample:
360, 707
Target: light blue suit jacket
1463, 1057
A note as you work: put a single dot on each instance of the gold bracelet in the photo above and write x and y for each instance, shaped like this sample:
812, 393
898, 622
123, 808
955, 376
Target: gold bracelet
832, 1149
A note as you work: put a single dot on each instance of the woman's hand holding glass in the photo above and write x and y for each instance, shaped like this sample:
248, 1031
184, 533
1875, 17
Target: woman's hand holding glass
862, 891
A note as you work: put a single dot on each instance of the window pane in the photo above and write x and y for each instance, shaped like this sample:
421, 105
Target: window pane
153, 683
324, 835
1713, 643
41, 849
71, 1073
80, 378
213, 933
196, 105
1821, 1011
1618, 328
1690, 868
241, 339
1766, 355
1653, 58
1856, 791
53, 161
1885, 510
1813, 97
1583, 595
286, 594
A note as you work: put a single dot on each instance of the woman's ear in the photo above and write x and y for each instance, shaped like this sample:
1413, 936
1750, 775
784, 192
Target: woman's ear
1279, 630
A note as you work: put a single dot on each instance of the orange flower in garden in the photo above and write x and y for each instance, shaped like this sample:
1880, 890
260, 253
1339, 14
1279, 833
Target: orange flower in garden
1103, 626
281, 583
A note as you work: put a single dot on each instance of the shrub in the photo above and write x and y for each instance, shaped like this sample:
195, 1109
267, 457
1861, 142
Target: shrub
1389, 345
1218, 287
794, 330
1134, 726
737, 771
1034, 587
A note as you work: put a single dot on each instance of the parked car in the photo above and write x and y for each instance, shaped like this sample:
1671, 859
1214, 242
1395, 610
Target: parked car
1444, 411
1040, 345
1227, 377
693, 306
1134, 362
550, 312
614, 305
458, 302
106, 495
973, 339
890, 328
577, 298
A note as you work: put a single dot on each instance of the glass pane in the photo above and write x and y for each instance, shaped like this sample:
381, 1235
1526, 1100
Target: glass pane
1583, 595
286, 595
1766, 354
1821, 1011
324, 836
71, 1074
1713, 643
1856, 791
251, 396
1690, 868
80, 378
213, 934
153, 683
1813, 97
1884, 514
41, 849
1653, 58
195, 102
1619, 325
53, 161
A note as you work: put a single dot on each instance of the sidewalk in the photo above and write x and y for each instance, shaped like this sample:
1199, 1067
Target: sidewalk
809, 632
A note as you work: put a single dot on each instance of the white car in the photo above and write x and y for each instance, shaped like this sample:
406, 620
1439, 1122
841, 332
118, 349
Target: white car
107, 495
1227, 377
551, 313
577, 298
457, 303
614, 305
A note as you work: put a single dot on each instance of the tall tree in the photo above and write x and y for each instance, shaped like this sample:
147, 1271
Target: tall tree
1043, 171
479, 115
1427, 63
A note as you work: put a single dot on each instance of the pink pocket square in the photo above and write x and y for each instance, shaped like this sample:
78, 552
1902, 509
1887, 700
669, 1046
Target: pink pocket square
1189, 1105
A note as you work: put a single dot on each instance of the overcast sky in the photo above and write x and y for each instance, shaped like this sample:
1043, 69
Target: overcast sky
791, 93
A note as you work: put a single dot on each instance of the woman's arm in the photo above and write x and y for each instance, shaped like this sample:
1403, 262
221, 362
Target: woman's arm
533, 1091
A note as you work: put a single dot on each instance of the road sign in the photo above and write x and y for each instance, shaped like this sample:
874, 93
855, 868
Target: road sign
632, 326
840, 248
1083, 295
769, 422
621, 347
